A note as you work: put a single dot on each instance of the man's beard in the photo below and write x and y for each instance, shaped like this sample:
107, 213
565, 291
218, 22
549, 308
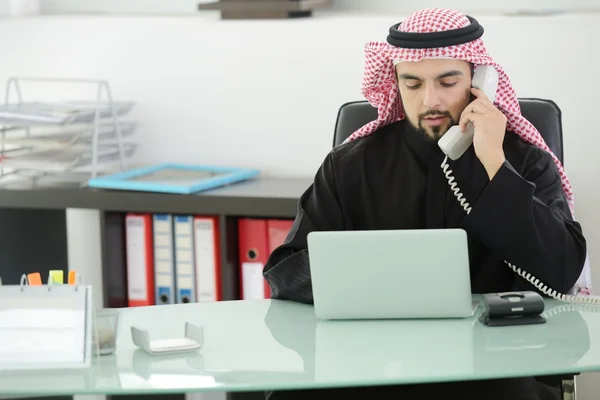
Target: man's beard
434, 133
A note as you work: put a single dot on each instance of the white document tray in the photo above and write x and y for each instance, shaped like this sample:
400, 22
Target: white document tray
194, 337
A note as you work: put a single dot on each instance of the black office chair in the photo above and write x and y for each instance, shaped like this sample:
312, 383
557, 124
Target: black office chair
543, 114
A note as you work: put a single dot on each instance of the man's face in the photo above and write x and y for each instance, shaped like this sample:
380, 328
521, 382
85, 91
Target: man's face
434, 93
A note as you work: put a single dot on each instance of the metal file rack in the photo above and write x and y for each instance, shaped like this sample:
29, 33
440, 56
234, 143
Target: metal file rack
74, 139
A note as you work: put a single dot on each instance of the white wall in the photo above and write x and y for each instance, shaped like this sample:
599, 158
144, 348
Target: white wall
180, 7
265, 93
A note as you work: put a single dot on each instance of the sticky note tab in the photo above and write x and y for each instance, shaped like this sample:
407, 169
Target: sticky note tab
34, 279
56, 277
72, 277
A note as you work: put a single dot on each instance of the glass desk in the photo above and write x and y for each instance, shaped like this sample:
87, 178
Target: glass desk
266, 344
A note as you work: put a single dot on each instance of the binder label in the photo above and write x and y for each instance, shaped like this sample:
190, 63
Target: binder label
136, 259
253, 281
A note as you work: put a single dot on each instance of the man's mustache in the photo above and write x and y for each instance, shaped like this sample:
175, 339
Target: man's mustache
434, 113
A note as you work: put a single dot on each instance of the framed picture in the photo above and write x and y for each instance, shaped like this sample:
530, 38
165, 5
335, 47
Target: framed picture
173, 178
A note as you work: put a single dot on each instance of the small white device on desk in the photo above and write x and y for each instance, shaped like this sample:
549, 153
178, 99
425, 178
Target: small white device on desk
45, 326
194, 337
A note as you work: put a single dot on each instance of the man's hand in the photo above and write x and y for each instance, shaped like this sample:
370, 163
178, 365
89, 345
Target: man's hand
490, 124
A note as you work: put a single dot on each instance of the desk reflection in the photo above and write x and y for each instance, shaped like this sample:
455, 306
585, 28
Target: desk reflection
358, 350
438, 349
563, 340
235, 354
277, 345
282, 345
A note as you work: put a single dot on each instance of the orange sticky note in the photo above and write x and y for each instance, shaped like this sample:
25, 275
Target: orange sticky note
72, 277
34, 279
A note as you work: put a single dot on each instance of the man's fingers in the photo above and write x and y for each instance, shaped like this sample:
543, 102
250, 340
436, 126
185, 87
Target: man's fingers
483, 99
465, 119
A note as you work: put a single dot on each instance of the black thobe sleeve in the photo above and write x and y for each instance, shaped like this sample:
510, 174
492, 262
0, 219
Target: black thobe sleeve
525, 219
287, 269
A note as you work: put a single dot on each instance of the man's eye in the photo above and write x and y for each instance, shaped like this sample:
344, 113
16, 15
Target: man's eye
448, 84
413, 86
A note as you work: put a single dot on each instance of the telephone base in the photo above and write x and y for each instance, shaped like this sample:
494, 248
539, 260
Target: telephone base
512, 320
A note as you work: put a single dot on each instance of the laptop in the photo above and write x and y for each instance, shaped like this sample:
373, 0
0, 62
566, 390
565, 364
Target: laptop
390, 274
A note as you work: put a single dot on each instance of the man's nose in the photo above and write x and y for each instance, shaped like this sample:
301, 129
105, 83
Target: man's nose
431, 98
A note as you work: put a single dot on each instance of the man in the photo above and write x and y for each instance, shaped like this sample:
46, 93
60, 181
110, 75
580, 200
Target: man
388, 175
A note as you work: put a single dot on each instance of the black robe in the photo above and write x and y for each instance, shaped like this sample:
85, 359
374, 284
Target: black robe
392, 179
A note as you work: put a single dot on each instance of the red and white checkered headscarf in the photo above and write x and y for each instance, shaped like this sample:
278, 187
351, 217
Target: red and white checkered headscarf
380, 88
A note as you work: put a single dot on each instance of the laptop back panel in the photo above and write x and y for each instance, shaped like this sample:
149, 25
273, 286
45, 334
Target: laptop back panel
390, 274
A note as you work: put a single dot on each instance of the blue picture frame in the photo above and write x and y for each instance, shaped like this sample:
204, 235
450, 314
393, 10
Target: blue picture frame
124, 180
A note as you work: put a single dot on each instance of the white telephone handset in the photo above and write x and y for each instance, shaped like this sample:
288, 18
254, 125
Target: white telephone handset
454, 142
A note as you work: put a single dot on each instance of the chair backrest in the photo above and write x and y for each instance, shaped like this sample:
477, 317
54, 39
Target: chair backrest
544, 114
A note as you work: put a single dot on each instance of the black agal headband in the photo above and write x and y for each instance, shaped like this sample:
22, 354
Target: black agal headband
428, 40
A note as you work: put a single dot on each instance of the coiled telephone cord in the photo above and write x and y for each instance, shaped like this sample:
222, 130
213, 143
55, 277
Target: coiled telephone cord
590, 300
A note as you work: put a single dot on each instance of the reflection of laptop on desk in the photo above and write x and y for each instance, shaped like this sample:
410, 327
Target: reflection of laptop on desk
394, 349
390, 274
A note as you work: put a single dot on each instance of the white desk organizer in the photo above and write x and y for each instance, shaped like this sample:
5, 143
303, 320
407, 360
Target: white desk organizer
45, 326
45, 138
194, 337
